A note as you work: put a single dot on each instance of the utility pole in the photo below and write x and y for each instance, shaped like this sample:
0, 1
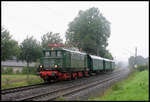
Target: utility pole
135, 57
97, 46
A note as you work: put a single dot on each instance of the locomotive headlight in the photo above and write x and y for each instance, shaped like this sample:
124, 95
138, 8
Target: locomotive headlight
55, 66
40, 66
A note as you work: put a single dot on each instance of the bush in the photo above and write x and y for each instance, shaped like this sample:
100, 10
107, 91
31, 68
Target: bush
18, 72
142, 67
24, 70
116, 87
30, 70
7, 70
2, 70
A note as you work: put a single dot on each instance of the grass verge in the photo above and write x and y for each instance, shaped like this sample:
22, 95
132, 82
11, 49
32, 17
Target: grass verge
134, 88
10, 81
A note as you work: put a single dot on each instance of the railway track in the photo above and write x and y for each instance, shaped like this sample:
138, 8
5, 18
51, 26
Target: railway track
16, 89
52, 95
64, 89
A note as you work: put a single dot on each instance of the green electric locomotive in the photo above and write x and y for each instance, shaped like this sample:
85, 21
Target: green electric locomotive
63, 60
64, 64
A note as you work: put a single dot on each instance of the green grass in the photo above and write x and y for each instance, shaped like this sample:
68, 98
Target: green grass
16, 77
10, 81
135, 87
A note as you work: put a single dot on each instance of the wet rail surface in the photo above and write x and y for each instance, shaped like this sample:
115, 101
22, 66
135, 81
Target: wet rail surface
55, 90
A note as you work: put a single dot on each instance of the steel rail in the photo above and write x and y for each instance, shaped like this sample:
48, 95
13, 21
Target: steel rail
77, 88
54, 94
21, 88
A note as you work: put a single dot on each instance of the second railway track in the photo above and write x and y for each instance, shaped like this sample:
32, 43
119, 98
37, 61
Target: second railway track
16, 89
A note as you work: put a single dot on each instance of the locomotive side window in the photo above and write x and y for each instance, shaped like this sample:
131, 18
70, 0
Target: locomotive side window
47, 53
53, 53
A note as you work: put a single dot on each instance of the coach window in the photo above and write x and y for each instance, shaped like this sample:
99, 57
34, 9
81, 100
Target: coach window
47, 53
53, 53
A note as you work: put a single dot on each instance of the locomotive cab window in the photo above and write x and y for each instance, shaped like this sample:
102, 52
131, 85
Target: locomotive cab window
53, 53
47, 53
59, 53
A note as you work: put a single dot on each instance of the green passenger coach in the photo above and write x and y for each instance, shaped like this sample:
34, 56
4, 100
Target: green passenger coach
96, 63
108, 64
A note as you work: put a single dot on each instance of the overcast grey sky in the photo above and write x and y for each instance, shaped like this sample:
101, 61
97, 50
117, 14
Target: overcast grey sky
129, 22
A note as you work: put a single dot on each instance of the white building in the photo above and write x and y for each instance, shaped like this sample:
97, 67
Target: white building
16, 65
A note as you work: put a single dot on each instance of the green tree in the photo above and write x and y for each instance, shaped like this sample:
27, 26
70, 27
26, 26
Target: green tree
30, 50
49, 38
139, 60
147, 61
131, 61
90, 31
9, 46
108, 55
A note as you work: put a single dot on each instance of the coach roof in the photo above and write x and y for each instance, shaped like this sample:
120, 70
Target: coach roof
108, 60
74, 51
96, 57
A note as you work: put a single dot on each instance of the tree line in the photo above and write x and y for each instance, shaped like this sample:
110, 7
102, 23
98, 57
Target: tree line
89, 31
138, 60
